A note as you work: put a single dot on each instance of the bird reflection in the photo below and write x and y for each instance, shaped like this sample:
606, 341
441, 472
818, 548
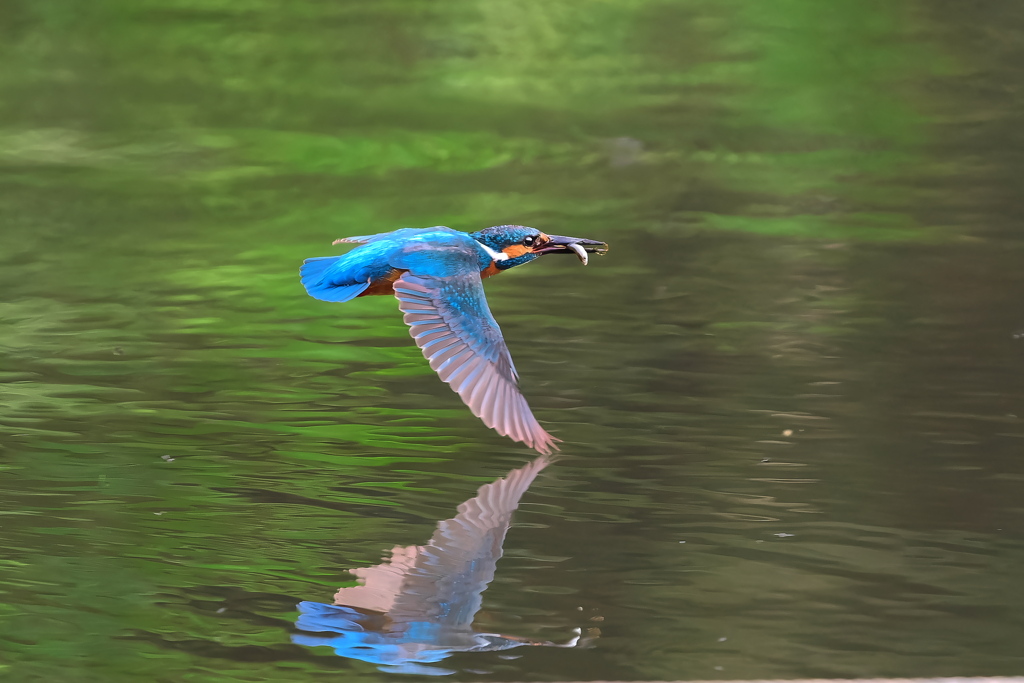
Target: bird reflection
418, 608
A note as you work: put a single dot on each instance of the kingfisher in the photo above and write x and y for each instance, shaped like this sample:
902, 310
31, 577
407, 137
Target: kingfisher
437, 276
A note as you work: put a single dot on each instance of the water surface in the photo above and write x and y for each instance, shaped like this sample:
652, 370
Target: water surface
791, 397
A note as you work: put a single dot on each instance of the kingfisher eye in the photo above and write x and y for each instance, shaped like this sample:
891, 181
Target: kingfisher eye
529, 240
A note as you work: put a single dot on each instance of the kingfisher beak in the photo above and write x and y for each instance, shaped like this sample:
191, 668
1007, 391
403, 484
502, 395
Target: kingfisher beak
558, 244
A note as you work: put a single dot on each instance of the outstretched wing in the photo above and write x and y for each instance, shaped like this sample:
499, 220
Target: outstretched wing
451, 323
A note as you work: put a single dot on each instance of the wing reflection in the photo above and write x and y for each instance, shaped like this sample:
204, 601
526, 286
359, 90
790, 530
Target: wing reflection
418, 608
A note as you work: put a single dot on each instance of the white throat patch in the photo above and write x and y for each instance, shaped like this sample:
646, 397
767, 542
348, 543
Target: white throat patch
495, 255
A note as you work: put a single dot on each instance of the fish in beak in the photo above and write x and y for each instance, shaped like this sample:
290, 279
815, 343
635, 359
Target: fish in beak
557, 244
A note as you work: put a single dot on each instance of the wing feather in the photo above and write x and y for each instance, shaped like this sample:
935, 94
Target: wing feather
449, 320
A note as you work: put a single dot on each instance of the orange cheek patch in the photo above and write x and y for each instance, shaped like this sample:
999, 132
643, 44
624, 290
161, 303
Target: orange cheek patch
515, 250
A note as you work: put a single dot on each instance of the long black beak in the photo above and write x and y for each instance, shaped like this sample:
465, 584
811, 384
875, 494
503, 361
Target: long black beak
573, 245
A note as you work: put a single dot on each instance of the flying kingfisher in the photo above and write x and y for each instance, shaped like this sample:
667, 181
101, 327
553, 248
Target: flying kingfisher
436, 275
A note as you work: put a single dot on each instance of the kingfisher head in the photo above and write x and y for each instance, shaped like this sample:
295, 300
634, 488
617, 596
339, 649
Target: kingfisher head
521, 244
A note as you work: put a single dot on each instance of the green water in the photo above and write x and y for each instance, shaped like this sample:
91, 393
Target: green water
802, 357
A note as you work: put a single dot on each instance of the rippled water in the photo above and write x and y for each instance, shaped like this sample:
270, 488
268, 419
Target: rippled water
790, 397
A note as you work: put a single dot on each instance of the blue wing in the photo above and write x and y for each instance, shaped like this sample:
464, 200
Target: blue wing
343, 278
451, 323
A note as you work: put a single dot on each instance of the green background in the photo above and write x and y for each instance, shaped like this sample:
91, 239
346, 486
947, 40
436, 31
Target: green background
810, 323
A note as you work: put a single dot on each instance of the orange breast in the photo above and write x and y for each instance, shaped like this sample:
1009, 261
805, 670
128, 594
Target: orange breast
490, 270
385, 285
